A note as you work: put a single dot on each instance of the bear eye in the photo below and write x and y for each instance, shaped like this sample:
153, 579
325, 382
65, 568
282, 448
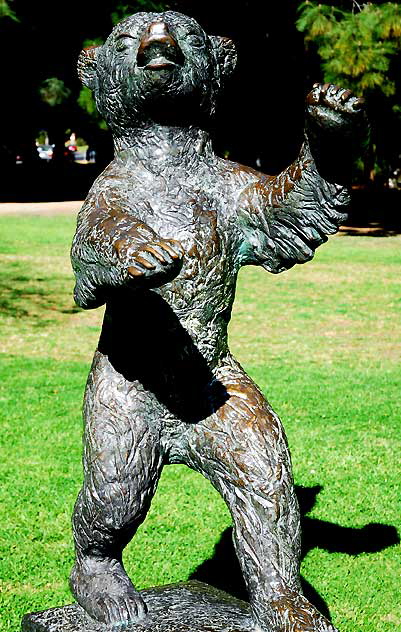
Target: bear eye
196, 41
123, 42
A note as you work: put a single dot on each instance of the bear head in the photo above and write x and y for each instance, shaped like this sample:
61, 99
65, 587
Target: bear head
157, 67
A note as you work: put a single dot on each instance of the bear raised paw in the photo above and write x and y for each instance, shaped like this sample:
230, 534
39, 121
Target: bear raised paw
160, 239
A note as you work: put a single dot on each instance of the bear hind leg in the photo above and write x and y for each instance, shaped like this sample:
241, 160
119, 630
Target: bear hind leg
122, 466
243, 451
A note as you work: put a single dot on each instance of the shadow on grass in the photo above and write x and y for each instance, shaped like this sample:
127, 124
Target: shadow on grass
20, 299
16, 294
223, 571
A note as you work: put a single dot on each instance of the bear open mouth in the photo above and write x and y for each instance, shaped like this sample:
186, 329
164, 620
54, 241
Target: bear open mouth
160, 56
160, 63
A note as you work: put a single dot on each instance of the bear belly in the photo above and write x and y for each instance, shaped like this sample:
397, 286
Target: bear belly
202, 294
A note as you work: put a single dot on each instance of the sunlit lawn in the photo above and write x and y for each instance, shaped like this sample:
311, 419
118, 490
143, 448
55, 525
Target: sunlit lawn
323, 341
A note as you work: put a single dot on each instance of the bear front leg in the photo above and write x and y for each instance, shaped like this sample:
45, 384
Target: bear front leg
336, 128
284, 218
113, 250
122, 465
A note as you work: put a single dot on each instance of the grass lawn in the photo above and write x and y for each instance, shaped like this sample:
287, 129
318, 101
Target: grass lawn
323, 341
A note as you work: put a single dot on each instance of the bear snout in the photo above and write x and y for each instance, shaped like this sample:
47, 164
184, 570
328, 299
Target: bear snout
158, 49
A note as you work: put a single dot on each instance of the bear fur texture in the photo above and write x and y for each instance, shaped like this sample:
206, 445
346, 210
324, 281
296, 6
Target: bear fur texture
160, 239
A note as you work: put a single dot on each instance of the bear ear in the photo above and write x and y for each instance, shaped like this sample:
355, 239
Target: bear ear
87, 63
226, 54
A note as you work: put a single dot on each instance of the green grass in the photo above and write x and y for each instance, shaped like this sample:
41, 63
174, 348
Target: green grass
323, 341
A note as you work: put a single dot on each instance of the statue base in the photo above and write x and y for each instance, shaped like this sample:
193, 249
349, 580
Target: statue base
185, 607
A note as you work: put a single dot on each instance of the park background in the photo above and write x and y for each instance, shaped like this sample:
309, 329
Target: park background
322, 341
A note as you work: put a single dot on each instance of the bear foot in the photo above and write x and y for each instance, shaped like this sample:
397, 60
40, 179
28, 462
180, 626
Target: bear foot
294, 613
291, 612
106, 593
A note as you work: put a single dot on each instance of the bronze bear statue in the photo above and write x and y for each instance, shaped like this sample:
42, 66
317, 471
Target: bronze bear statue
160, 239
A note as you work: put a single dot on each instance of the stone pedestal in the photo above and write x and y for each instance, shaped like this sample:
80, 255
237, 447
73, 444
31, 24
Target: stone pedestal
186, 607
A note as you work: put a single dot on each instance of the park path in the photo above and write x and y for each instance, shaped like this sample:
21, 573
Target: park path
40, 208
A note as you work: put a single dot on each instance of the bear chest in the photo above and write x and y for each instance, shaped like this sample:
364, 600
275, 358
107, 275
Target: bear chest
202, 221
177, 208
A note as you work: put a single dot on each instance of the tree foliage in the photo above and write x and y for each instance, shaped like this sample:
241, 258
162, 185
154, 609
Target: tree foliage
53, 91
359, 46
6, 10
356, 46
